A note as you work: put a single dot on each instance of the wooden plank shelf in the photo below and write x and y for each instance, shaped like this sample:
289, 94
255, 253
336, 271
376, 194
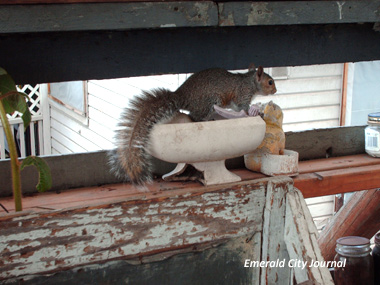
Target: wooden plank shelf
338, 175
317, 177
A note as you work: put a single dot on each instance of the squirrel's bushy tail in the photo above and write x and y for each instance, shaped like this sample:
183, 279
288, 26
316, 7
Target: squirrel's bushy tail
131, 159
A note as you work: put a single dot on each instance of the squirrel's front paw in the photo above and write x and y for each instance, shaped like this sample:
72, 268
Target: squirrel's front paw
254, 110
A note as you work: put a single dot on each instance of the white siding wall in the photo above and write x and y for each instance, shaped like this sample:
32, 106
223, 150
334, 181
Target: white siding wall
309, 96
71, 133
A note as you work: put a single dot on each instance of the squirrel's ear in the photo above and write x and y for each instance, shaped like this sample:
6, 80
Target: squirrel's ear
259, 73
251, 67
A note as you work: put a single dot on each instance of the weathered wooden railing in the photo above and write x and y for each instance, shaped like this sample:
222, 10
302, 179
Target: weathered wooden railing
199, 234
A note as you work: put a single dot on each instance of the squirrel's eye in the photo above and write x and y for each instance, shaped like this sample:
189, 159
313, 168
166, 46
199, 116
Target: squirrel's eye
270, 82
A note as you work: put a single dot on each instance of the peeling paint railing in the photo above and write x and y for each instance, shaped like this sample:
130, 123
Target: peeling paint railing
226, 225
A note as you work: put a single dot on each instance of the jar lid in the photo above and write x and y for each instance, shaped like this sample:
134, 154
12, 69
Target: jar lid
352, 240
353, 246
374, 117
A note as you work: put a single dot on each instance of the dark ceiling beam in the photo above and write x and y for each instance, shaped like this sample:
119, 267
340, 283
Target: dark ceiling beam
65, 56
62, 42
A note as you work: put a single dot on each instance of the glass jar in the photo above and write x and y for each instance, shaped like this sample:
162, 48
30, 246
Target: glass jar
376, 258
354, 264
372, 135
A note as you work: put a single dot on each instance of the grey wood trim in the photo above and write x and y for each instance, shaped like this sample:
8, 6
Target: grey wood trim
324, 143
142, 15
297, 12
106, 16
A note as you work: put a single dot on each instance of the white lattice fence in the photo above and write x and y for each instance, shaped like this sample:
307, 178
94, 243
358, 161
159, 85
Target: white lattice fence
29, 142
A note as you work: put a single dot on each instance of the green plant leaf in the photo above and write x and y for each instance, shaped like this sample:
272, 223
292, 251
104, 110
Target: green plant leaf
12, 99
7, 84
45, 180
26, 117
2, 71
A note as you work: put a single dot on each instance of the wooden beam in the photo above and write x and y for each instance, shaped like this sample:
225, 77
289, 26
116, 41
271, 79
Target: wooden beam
337, 175
106, 16
298, 12
317, 178
359, 217
335, 163
54, 57
28, 2
23, 2
324, 143
338, 181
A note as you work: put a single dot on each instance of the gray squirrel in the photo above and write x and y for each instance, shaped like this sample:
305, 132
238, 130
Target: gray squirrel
198, 95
